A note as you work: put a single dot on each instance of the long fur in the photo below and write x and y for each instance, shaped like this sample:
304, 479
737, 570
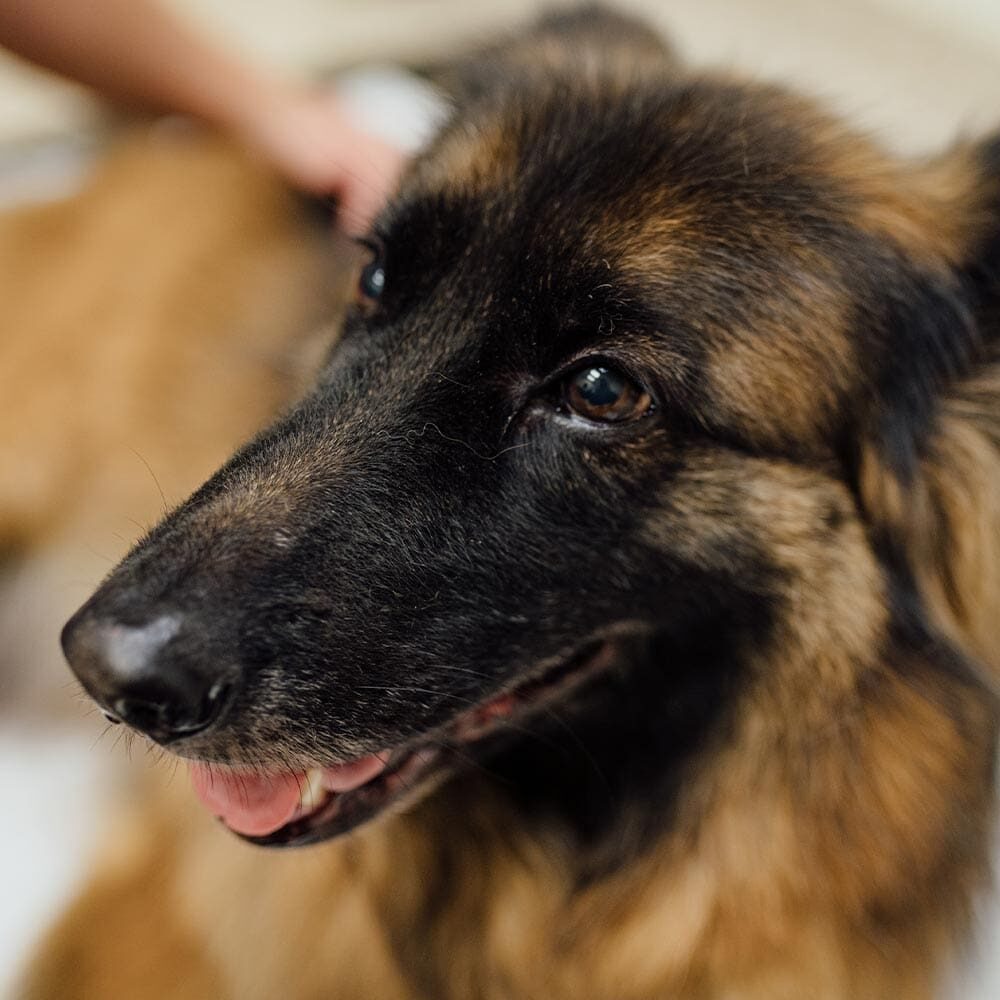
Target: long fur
785, 787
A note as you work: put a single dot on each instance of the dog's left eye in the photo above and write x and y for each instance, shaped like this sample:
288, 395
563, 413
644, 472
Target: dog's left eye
603, 394
371, 282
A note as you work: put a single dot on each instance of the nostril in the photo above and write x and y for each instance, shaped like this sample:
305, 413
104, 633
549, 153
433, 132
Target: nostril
167, 713
147, 716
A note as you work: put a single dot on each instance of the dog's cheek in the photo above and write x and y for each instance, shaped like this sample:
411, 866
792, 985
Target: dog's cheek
777, 533
389, 623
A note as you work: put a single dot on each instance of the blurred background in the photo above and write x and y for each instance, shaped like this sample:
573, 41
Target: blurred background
81, 472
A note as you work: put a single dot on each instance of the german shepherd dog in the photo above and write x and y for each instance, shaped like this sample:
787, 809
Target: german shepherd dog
625, 597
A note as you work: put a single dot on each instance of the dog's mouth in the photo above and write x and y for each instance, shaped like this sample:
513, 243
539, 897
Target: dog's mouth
293, 808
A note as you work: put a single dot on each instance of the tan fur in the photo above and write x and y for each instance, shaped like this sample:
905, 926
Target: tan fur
166, 303
949, 517
471, 162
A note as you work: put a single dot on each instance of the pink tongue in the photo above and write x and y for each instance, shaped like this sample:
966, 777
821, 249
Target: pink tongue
256, 804
248, 803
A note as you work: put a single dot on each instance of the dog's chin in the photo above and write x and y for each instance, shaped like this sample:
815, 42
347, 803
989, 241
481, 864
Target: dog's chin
326, 802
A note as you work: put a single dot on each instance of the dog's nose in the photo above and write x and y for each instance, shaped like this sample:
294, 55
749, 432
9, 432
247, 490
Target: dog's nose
133, 674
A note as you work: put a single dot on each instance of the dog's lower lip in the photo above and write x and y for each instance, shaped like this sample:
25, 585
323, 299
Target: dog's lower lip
339, 812
407, 770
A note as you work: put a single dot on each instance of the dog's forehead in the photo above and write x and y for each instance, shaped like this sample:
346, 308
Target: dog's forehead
592, 160
731, 217
662, 191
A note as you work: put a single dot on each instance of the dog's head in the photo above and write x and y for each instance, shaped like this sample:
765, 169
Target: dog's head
636, 361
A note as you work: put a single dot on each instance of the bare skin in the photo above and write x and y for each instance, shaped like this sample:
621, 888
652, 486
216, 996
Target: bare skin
137, 51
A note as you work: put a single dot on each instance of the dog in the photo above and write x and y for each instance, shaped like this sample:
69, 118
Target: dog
619, 610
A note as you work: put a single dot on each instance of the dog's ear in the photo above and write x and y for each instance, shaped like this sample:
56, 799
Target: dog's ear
981, 263
927, 468
585, 31
586, 41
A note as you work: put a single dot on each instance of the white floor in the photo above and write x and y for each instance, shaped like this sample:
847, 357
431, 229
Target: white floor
53, 784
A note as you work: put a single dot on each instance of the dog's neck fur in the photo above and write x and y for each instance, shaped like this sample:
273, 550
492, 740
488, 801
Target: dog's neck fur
952, 518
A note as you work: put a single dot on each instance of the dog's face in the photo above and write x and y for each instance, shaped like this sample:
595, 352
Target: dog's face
624, 346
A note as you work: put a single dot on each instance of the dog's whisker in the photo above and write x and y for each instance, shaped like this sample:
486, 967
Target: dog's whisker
149, 469
410, 689
103, 556
451, 668
100, 736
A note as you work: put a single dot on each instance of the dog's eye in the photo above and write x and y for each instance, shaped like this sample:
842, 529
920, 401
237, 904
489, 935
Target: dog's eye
597, 392
371, 280
371, 283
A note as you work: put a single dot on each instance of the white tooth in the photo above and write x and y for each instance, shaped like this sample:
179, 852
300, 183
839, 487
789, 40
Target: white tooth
313, 792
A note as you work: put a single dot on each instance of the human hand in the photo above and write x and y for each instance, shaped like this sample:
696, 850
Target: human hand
141, 53
308, 137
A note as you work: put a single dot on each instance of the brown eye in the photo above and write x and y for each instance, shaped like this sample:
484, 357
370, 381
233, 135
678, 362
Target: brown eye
605, 395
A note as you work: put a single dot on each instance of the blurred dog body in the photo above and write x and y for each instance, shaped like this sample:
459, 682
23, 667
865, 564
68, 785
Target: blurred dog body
774, 777
144, 338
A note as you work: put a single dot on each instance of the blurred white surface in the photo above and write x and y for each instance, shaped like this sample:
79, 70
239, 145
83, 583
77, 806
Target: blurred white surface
392, 104
53, 786
915, 70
